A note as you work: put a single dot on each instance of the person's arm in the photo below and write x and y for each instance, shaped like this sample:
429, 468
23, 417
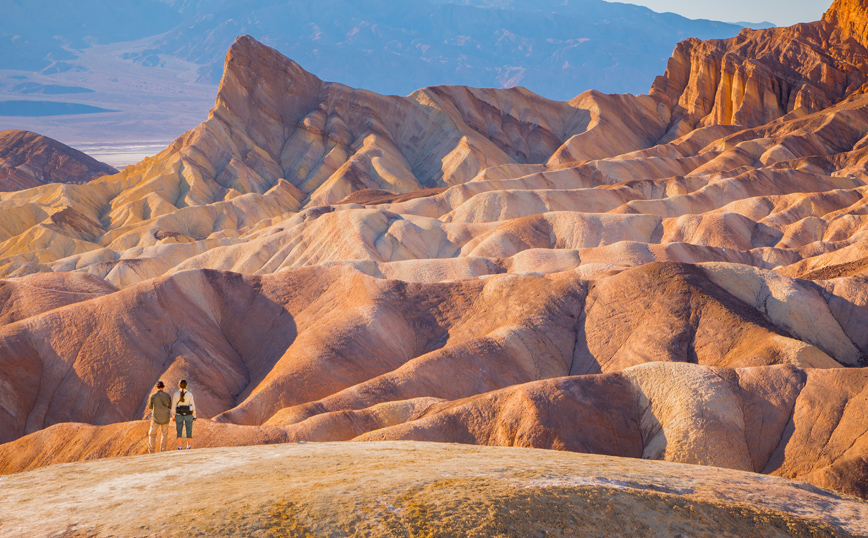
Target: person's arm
174, 404
193, 406
151, 402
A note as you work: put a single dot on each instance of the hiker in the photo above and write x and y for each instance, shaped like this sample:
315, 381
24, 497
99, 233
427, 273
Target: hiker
184, 413
161, 404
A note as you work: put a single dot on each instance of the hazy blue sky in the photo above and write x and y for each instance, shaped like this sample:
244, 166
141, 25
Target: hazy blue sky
780, 12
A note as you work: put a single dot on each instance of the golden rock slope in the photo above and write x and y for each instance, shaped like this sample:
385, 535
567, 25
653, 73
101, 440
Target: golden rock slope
678, 276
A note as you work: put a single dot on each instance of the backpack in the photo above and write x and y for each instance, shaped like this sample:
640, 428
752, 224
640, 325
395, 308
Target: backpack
183, 410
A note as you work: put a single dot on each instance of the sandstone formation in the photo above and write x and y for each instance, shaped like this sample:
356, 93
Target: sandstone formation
762, 75
401, 489
509, 172
679, 276
29, 160
340, 339
848, 16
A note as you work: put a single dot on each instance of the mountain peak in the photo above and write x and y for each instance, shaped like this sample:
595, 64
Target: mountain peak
762, 75
254, 64
259, 83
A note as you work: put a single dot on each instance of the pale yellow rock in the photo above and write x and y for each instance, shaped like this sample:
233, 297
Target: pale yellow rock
797, 308
677, 400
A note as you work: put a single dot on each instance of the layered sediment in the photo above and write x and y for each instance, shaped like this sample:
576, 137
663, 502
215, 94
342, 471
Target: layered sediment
29, 160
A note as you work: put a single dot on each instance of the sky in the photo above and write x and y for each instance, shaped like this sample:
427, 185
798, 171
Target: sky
779, 12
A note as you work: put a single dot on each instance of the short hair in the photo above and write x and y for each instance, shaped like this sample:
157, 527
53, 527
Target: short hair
160, 384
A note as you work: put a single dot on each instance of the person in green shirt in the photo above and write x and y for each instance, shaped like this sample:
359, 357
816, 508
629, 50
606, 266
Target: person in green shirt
161, 405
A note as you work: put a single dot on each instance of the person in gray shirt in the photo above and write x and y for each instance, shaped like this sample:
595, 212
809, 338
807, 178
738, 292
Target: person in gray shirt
161, 404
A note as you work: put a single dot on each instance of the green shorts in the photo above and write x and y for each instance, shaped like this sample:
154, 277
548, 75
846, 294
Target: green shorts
184, 420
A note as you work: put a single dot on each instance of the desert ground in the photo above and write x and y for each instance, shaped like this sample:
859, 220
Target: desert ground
413, 489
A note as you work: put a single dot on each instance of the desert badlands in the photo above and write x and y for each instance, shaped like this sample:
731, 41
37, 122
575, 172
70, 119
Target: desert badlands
463, 312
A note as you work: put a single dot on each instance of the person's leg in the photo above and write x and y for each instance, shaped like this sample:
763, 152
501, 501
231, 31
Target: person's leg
164, 432
189, 431
152, 435
179, 429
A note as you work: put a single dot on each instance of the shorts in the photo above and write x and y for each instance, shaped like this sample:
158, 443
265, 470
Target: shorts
184, 420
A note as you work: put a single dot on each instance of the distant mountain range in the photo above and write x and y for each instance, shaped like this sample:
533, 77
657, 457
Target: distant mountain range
557, 48
136, 73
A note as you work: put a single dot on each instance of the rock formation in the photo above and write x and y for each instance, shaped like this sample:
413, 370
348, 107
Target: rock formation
679, 277
29, 160
400, 489
356, 357
762, 75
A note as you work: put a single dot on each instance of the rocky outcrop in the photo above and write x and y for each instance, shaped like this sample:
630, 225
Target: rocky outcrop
850, 19
328, 140
29, 160
762, 75
390, 489
516, 174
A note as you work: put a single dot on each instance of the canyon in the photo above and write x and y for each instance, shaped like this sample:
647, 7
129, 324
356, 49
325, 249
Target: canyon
678, 276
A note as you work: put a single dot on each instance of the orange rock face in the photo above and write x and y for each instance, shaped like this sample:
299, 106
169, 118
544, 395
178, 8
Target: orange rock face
679, 276
850, 18
762, 75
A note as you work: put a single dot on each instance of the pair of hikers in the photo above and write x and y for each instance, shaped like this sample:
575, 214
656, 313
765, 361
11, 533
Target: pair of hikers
179, 407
